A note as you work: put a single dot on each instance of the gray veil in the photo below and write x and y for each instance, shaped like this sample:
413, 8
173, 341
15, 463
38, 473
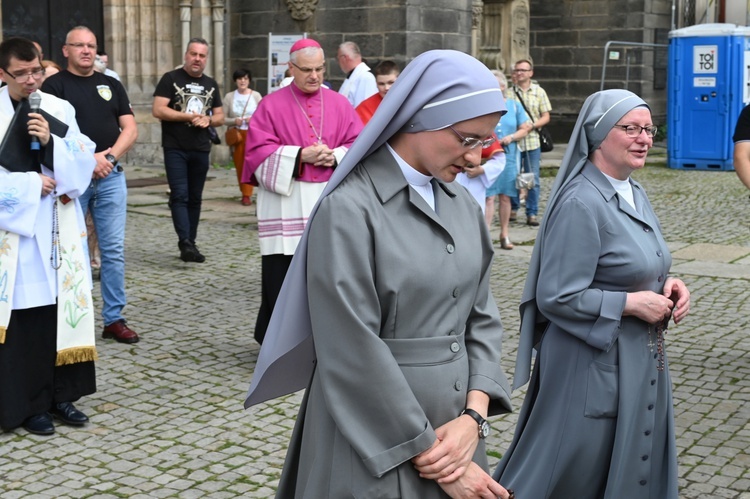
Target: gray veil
436, 89
599, 114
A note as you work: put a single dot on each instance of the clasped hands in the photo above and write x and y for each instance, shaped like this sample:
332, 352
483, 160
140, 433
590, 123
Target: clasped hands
449, 462
318, 155
653, 307
201, 121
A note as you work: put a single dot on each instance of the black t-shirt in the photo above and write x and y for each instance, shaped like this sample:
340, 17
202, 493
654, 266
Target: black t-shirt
742, 130
187, 94
99, 101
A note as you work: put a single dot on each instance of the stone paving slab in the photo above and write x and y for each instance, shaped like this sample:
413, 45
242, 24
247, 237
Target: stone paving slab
715, 269
708, 252
167, 419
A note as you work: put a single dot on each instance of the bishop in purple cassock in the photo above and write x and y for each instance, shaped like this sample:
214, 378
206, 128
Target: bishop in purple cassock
295, 140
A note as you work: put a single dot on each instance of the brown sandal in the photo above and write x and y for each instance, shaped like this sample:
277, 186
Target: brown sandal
505, 243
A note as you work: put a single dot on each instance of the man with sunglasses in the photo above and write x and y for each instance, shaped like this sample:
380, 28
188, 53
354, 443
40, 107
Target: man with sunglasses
535, 100
295, 140
47, 348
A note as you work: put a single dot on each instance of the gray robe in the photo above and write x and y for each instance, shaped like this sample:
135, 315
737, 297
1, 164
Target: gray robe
404, 324
598, 420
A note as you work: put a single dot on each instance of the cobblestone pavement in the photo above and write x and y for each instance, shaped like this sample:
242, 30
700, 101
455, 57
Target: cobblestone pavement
167, 419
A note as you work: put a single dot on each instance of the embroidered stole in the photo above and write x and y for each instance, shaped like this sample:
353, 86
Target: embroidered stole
75, 308
8, 266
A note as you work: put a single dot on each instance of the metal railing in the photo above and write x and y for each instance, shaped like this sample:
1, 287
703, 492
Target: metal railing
640, 46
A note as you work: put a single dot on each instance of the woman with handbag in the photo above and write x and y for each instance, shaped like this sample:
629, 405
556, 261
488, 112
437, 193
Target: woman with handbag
513, 127
239, 106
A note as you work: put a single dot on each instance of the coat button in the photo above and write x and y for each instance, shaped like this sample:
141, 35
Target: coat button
653, 382
452, 332
647, 432
450, 248
651, 407
458, 386
644, 458
643, 482
661, 278
658, 253
455, 293
646, 229
455, 347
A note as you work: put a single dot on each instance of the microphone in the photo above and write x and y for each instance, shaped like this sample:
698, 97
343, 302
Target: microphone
35, 101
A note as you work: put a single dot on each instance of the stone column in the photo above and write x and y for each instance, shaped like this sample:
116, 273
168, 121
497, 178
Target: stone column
518, 31
217, 10
477, 6
186, 15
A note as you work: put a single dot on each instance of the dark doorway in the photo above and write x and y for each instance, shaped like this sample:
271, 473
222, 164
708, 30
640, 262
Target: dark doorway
48, 21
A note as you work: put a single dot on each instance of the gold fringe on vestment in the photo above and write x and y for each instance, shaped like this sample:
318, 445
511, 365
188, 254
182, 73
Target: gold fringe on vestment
2, 334
76, 355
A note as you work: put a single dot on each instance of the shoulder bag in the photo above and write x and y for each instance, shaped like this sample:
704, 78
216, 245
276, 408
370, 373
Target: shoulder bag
233, 135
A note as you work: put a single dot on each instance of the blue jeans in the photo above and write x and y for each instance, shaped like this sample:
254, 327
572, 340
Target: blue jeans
530, 161
186, 174
107, 199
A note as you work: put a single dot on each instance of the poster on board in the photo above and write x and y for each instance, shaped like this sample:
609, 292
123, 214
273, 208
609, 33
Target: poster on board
278, 58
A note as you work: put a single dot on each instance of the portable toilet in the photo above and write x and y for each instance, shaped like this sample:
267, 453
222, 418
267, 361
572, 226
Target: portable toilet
741, 74
700, 91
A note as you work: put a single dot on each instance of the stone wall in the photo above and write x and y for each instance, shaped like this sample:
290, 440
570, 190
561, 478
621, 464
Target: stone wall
384, 29
567, 40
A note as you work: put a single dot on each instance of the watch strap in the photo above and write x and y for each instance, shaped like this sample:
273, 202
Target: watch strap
483, 427
474, 415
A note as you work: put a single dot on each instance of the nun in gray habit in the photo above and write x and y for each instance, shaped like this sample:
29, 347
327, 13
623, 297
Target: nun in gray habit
386, 314
597, 421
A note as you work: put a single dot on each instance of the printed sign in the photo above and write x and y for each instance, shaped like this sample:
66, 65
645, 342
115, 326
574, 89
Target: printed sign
704, 82
705, 59
278, 57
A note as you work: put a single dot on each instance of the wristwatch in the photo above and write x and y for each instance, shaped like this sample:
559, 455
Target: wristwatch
111, 158
484, 426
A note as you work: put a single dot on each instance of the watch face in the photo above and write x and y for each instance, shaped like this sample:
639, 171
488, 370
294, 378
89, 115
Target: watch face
484, 429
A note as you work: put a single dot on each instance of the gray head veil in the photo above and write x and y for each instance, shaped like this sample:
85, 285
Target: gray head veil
436, 89
599, 114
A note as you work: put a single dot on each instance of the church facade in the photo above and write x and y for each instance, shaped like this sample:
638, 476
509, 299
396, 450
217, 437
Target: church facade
565, 39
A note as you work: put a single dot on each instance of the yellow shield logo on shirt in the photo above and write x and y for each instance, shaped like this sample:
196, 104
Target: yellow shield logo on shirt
104, 91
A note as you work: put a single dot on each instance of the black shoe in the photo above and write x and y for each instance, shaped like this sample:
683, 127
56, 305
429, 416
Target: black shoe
189, 253
41, 424
199, 258
68, 414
